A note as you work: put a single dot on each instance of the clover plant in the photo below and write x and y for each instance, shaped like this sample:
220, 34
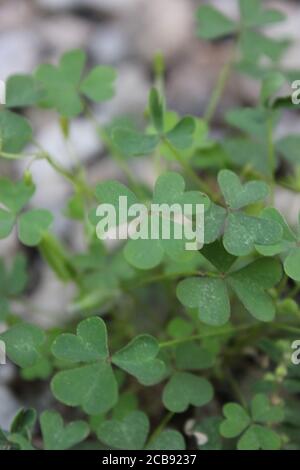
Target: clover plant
161, 348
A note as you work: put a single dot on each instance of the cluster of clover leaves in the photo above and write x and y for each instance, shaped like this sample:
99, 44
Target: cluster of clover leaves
249, 264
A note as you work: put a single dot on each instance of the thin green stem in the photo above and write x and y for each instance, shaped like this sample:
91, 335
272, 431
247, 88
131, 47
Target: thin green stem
190, 172
218, 92
161, 427
287, 328
167, 276
271, 155
118, 158
175, 342
237, 329
236, 389
76, 180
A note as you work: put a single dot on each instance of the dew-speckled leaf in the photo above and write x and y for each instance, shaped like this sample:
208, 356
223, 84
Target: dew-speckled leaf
250, 285
243, 232
88, 345
238, 195
23, 342
214, 220
129, 434
209, 295
139, 358
92, 386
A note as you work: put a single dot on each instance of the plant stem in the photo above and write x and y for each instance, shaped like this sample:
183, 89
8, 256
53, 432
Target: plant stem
77, 180
218, 92
119, 159
189, 171
237, 329
161, 426
271, 155
287, 328
236, 389
175, 342
166, 276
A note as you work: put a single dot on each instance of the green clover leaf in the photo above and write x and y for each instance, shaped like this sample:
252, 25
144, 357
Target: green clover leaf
184, 389
63, 84
99, 84
292, 264
179, 136
242, 232
32, 226
253, 14
237, 420
60, 83
139, 358
255, 436
216, 254
289, 245
214, 220
250, 284
23, 423
182, 135
237, 195
212, 24
15, 195
15, 132
146, 253
259, 437
130, 433
12, 282
7, 222
23, 342
132, 143
56, 436
210, 295
92, 384
263, 411
22, 91
167, 440
20, 442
